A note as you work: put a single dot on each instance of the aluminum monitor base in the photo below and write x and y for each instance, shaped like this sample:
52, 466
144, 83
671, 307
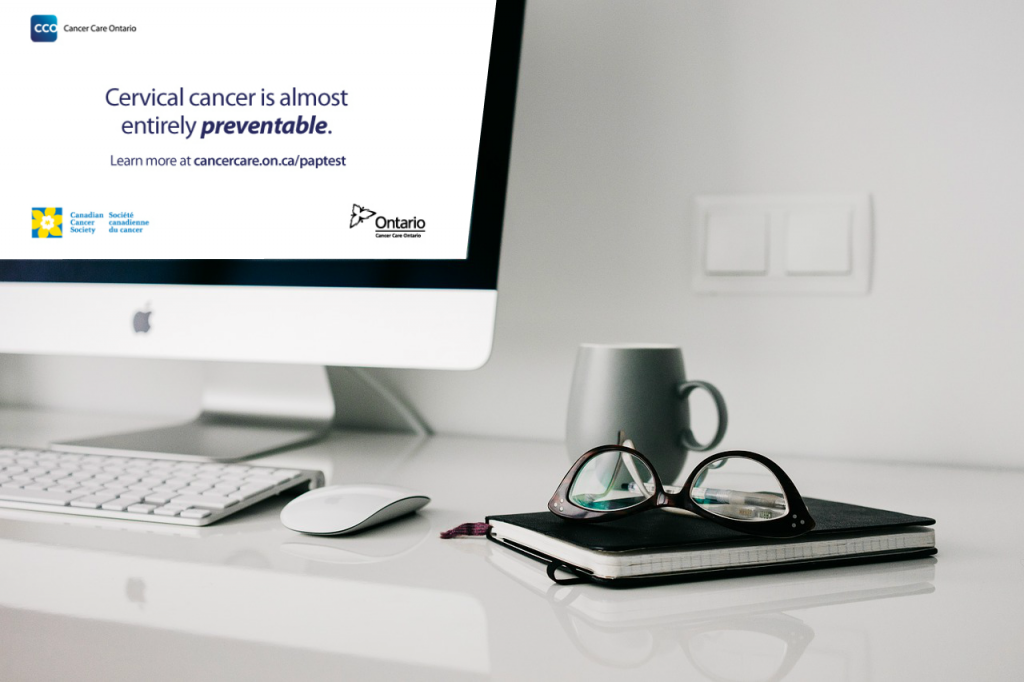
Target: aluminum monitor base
247, 410
208, 438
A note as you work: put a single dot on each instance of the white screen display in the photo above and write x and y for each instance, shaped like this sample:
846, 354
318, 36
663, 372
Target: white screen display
241, 130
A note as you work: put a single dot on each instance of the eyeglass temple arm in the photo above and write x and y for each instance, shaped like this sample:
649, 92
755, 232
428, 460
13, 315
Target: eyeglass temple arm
630, 464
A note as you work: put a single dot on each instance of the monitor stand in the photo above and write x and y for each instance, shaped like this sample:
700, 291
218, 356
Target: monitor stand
256, 409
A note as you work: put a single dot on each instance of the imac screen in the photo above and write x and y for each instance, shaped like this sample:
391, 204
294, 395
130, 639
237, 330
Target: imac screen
311, 144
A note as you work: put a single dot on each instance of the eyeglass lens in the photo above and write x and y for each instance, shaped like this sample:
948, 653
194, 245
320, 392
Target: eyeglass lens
612, 480
739, 488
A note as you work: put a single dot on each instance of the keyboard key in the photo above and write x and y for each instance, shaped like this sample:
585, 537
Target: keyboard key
117, 505
262, 477
36, 496
206, 501
91, 501
195, 513
160, 498
247, 491
168, 511
141, 508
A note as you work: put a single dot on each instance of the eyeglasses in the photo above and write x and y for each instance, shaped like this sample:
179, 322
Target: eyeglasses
741, 490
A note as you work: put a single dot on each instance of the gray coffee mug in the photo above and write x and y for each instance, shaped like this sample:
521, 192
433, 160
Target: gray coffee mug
640, 390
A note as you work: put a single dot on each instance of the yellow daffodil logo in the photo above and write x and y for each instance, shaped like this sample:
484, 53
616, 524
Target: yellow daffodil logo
46, 222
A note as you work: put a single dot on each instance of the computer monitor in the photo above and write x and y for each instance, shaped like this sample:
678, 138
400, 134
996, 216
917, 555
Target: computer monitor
318, 184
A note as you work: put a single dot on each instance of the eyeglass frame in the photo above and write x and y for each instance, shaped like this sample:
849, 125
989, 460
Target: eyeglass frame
796, 522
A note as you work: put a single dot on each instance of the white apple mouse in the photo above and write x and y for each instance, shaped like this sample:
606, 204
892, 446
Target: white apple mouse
341, 509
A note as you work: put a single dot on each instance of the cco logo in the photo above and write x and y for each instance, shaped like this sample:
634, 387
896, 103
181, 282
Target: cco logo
44, 28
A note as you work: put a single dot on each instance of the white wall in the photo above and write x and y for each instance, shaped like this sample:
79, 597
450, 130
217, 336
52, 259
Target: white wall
626, 111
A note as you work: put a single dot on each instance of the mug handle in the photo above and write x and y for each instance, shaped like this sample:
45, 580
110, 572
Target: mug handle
686, 438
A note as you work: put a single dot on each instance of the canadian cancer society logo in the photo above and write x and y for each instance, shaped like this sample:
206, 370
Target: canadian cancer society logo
46, 223
43, 28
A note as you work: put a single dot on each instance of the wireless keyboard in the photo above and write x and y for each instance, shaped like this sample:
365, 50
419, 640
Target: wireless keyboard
139, 489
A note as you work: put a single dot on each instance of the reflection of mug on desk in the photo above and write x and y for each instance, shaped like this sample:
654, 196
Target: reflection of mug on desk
642, 391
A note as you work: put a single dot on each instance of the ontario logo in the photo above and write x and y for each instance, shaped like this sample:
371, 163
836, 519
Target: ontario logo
43, 28
46, 222
359, 214
386, 227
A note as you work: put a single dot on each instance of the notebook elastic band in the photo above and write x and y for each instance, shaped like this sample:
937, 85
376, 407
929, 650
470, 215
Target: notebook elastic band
565, 568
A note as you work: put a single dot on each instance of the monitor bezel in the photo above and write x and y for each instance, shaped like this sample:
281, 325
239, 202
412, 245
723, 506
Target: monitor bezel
479, 270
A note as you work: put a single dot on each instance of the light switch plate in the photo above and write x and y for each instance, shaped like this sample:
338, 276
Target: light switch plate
787, 243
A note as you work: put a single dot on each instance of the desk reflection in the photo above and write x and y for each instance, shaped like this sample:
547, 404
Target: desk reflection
238, 605
731, 630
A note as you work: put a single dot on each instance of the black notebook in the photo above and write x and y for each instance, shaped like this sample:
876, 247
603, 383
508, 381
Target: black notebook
660, 546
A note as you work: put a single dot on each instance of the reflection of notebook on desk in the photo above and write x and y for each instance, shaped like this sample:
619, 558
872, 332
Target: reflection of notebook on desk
657, 546
684, 604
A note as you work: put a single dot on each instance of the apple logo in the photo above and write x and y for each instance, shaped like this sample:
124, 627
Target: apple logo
140, 323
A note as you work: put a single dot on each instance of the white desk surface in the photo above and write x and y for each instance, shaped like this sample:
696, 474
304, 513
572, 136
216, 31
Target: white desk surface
247, 599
